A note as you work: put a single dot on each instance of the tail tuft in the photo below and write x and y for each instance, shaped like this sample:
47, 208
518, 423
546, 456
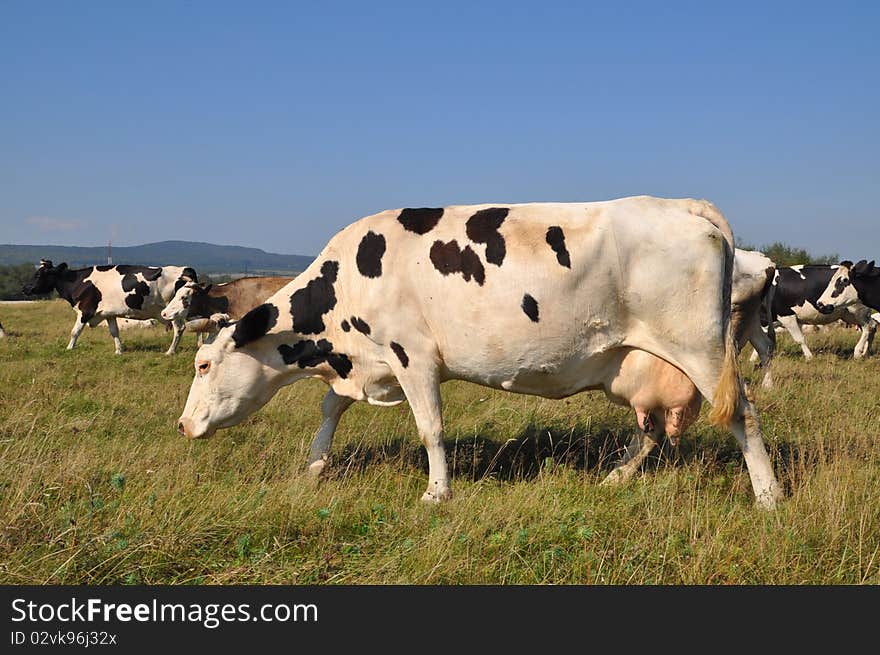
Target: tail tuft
726, 400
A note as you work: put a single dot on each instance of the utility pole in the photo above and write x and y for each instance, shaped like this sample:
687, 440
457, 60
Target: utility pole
109, 251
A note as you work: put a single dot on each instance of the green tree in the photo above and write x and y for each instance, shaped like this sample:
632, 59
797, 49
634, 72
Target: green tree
783, 254
12, 278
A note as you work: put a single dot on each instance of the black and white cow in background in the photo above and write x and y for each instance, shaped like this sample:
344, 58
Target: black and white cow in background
852, 284
547, 299
103, 293
794, 302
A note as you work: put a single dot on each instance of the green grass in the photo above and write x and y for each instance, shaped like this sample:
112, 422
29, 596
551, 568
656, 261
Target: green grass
97, 487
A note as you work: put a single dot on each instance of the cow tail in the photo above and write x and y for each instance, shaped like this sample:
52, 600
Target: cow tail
727, 393
726, 398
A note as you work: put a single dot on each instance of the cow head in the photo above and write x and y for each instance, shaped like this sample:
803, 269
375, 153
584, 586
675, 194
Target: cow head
842, 289
231, 383
45, 278
179, 306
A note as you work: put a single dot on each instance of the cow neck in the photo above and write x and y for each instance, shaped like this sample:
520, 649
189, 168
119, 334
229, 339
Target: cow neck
69, 281
869, 292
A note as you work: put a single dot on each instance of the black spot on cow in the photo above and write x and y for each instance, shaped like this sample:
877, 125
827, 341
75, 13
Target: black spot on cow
309, 304
104, 267
556, 239
255, 324
530, 307
308, 354
401, 353
369, 254
148, 272
345, 326
448, 258
87, 296
360, 325
421, 220
137, 290
840, 284
483, 226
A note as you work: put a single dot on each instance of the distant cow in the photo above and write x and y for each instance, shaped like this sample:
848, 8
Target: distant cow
852, 284
753, 274
548, 299
2, 332
103, 293
232, 299
795, 301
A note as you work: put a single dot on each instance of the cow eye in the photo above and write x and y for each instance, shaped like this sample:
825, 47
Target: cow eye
203, 367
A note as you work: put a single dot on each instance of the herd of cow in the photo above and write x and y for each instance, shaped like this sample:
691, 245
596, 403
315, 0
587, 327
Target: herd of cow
644, 298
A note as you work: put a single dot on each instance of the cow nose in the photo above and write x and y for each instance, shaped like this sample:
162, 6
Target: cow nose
182, 427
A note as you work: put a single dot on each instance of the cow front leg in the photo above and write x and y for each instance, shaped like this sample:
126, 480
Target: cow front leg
179, 327
78, 327
639, 447
863, 347
332, 409
113, 327
790, 323
422, 391
747, 430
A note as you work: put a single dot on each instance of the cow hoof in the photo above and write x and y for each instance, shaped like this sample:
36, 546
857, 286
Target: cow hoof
614, 478
435, 497
316, 469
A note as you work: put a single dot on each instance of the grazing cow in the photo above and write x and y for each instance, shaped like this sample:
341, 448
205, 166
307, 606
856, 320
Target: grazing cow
794, 302
852, 284
100, 293
547, 299
233, 299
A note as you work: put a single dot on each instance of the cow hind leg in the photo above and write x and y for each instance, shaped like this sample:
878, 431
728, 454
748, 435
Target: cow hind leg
639, 447
332, 409
764, 347
746, 428
113, 327
78, 327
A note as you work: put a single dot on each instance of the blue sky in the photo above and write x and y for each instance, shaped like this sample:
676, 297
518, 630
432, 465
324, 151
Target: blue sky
275, 124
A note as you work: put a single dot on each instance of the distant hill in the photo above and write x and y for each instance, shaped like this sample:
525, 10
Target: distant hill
204, 257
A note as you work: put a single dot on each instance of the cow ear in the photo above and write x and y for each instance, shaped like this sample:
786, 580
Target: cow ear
45, 263
207, 287
62, 266
872, 271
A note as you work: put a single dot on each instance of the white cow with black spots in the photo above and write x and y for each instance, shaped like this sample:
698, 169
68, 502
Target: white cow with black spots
104, 293
548, 299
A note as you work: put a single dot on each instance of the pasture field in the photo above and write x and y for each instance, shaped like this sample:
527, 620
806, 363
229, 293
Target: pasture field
96, 486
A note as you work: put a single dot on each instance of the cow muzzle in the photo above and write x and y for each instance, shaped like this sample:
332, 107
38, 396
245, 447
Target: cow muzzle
187, 428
